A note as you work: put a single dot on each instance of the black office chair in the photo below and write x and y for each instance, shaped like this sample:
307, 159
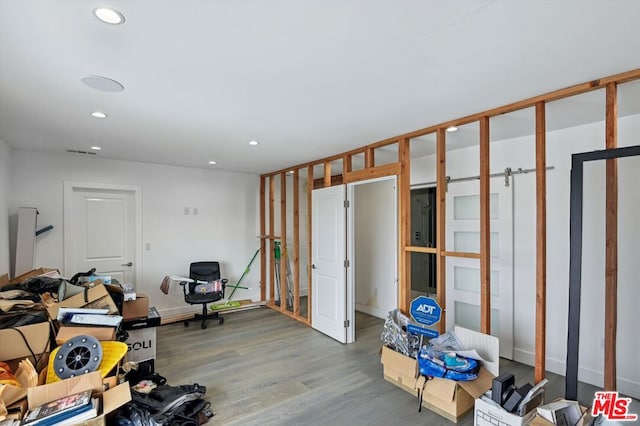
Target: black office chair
208, 272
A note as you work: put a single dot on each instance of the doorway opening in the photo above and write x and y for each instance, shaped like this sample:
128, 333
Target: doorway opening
423, 234
372, 240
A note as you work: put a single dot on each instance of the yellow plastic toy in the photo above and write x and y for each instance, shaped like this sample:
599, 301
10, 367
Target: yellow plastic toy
112, 354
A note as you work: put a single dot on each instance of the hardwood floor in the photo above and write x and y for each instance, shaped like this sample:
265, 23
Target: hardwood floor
262, 368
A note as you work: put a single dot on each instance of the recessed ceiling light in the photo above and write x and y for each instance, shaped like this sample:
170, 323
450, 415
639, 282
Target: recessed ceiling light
253, 143
108, 15
98, 114
96, 148
104, 84
452, 129
290, 172
212, 162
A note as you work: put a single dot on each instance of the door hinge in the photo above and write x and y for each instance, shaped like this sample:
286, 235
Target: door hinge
346, 204
346, 263
346, 323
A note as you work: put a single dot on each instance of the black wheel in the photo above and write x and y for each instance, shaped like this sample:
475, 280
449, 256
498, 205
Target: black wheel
186, 323
203, 326
221, 320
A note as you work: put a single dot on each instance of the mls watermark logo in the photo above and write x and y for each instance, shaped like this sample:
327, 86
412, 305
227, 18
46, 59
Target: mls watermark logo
612, 407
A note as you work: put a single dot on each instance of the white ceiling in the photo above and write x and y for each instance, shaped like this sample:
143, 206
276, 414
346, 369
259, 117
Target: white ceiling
306, 78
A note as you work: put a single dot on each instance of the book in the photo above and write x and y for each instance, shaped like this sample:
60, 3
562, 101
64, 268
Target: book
59, 408
74, 417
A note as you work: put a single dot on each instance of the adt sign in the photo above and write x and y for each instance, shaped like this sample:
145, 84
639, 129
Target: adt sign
425, 310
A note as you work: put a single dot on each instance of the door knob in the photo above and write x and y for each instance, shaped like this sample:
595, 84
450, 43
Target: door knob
129, 264
313, 266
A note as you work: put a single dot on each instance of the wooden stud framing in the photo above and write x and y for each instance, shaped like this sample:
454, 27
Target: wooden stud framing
420, 249
611, 255
441, 204
327, 174
309, 241
296, 243
369, 158
541, 243
460, 254
284, 252
404, 228
272, 269
555, 95
485, 229
263, 241
347, 164
289, 314
371, 171
374, 172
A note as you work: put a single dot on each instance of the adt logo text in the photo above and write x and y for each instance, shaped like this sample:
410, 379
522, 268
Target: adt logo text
612, 407
427, 309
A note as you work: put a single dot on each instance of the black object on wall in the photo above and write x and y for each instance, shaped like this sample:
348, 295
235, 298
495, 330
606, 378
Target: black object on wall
575, 256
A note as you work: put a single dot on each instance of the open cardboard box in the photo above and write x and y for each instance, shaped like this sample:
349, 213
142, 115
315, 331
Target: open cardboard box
95, 297
399, 369
101, 333
111, 398
135, 309
452, 399
15, 347
585, 418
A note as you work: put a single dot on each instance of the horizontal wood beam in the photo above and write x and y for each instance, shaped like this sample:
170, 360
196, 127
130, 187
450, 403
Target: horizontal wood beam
420, 249
287, 313
320, 182
460, 254
372, 173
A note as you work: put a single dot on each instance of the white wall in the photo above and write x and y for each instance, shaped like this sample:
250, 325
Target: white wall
225, 228
5, 181
561, 144
375, 243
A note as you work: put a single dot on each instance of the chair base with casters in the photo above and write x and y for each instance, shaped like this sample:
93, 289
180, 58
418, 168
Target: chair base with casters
205, 315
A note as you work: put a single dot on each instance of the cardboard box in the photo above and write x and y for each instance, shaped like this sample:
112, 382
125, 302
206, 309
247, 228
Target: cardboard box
584, 420
15, 347
96, 297
488, 413
111, 399
451, 399
135, 309
142, 344
101, 333
399, 369
151, 320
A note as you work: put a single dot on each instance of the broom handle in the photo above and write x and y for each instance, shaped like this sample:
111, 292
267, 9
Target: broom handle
246, 271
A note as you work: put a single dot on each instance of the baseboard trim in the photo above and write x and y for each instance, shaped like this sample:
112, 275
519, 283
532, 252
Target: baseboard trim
587, 375
169, 319
375, 312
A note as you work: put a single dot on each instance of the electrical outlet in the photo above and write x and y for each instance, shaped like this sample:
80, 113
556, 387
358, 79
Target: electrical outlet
147, 246
187, 211
195, 210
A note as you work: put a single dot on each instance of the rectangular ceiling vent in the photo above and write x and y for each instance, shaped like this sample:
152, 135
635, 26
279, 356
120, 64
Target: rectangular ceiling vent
80, 151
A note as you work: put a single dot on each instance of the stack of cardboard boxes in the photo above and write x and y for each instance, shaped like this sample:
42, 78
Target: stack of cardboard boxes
34, 342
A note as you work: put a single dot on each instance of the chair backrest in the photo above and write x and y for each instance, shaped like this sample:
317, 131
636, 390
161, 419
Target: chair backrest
203, 271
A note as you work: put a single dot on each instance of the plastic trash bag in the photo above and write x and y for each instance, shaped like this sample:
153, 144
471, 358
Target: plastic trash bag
395, 335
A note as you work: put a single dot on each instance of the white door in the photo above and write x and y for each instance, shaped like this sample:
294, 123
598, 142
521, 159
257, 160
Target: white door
463, 275
329, 293
100, 231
